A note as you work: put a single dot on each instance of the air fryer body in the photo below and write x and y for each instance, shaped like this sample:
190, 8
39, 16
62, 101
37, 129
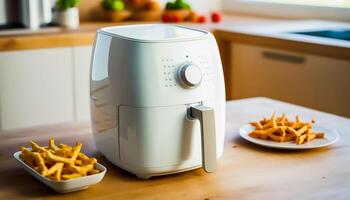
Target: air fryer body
139, 107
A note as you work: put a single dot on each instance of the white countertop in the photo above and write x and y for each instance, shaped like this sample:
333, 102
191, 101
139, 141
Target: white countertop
281, 29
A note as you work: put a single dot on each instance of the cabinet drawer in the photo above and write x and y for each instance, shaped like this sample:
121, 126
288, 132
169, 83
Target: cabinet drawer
314, 81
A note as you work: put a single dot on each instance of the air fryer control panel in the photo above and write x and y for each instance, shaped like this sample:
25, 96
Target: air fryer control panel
174, 74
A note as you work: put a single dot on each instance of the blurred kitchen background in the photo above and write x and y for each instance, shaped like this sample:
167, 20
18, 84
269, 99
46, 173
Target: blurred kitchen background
291, 50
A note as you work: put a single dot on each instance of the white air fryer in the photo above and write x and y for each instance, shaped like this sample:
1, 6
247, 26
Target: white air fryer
157, 98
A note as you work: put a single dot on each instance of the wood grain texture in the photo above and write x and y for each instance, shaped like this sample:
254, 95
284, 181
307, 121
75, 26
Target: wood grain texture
245, 171
46, 41
319, 82
84, 35
225, 54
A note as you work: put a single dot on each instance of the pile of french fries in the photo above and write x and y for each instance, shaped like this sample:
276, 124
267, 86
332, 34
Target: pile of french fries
62, 162
281, 129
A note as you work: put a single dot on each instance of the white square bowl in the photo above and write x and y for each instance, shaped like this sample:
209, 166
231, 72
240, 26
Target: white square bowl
65, 186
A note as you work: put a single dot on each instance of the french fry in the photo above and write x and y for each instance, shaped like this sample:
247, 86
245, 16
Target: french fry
52, 145
297, 125
78, 162
283, 135
273, 116
310, 136
319, 135
85, 158
57, 177
27, 157
276, 138
293, 131
267, 125
59, 162
289, 137
56, 158
71, 176
281, 129
263, 134
283, 118
83, 170
94, 171
54, 168
40, 163
300, 139
264, 121
257, 125
302, 131
76, 151
37, 148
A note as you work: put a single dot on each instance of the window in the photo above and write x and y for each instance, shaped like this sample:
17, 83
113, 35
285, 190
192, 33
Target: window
319, 9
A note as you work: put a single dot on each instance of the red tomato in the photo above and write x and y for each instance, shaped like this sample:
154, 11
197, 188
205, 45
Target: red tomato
216, 17
176, 18
202, 19
166, 18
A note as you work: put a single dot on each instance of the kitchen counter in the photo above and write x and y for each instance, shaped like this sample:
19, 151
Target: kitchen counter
279, 34
240, 29
53, 37
245, 171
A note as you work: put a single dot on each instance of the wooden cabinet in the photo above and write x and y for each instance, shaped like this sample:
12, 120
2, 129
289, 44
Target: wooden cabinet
44, 86
314, 81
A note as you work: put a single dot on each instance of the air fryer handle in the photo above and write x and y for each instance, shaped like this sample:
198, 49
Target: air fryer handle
206, 117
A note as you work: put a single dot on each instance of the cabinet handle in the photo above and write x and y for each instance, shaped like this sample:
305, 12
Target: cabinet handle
283, 57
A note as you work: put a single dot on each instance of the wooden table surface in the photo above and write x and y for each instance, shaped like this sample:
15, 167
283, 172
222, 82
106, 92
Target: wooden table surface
245, 171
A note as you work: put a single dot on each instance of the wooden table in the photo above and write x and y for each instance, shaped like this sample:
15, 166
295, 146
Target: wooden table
245, 171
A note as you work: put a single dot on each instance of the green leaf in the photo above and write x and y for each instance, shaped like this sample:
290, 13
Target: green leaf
177, 5
66, 4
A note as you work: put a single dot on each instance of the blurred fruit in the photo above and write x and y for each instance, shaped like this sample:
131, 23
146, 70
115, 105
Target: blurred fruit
166, 18
136, 4
215, 17
176, 18
202, 19
177, 15
152, 5
136, 1
113, 5
193, 17
118, 5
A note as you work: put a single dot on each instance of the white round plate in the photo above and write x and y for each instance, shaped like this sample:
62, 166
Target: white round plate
330, 138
